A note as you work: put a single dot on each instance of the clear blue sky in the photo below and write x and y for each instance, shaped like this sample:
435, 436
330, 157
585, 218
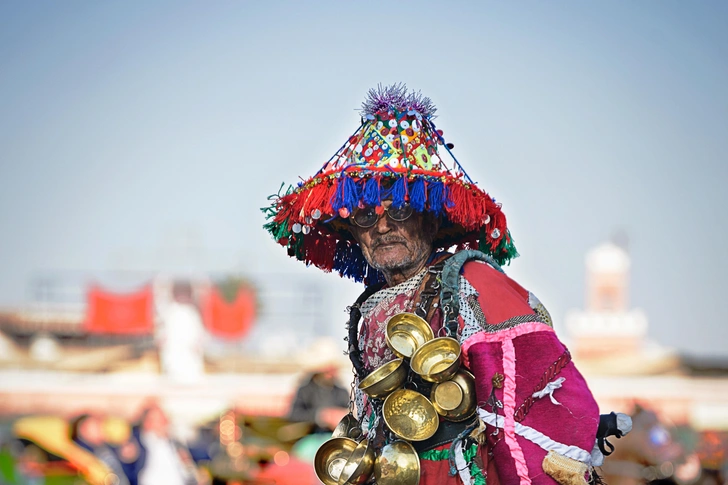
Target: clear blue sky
126, 124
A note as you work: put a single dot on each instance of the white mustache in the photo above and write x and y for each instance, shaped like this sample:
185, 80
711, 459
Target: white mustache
389, 240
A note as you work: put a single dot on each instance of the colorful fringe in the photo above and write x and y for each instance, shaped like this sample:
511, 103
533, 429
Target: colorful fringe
471, 219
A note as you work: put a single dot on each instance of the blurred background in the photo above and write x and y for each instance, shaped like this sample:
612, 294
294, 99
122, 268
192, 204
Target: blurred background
144, 312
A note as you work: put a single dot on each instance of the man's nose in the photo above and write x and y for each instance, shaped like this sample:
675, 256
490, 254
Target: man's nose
383, 224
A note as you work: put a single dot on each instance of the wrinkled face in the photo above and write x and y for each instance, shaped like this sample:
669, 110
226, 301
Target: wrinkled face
392, 246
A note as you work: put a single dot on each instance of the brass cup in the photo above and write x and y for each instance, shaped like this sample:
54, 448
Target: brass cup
331, 458
455, 399
384, 379
397, 464
406, 332
437, 360
348, 427
410, 415
359, 466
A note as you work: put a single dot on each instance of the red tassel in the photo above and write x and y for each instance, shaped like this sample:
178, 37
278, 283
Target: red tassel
319, 250
285, 207
467, 206
319, 197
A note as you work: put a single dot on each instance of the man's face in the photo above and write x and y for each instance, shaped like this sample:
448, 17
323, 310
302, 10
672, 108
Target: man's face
391, 246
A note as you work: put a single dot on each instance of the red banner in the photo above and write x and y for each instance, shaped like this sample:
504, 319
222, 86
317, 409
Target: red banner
229, 320
125, 314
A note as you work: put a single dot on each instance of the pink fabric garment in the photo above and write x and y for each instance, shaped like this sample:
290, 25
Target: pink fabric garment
525, 352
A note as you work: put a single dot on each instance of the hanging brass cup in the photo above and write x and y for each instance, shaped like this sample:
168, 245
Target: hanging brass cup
437, 360
359, 466
348, 427
331, 458
455, 399
406, 332
410, 415
397, 464
384, 379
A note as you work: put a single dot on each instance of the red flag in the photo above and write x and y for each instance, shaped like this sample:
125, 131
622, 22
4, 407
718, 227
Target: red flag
127, 314
229, 320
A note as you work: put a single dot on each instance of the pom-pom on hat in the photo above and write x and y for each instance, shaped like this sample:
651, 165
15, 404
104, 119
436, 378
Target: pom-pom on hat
394, 154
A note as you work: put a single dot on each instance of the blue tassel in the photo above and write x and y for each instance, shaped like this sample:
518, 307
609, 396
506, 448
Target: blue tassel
399, 192
370, 192
436, 193
349, 261
418, 194
347, 194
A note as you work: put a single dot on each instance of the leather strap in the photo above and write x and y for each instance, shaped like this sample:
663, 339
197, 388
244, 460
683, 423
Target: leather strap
446, 433
449, 295
429, 291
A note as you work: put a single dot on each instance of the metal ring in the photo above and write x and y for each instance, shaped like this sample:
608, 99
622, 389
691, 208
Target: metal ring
414, 385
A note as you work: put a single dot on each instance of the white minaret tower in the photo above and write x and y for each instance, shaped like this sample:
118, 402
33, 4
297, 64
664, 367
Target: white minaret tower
607, 324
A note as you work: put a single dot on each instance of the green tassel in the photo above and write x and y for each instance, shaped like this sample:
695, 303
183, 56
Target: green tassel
435, 455
506, 250
444, 454
477, 474
278, 230
469, 455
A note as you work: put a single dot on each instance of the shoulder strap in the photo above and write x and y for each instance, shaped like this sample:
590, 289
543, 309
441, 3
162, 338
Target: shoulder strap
449, 292
353, 327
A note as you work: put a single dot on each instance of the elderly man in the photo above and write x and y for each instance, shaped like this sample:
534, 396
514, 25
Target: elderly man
387, 210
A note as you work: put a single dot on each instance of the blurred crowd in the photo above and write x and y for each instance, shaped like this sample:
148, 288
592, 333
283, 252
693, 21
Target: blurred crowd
96, 449
235, 449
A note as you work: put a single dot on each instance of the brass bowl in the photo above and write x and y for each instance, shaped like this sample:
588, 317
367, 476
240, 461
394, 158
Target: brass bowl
348, 427
455, 399
359, 466
406, 332
330, 459
397, 464
410, 415
384, 379
437, 360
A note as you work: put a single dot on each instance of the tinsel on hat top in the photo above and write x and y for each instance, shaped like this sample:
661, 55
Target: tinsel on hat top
394, 154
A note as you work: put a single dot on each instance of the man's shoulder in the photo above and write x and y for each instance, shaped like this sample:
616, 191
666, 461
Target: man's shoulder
480, 273
505, 297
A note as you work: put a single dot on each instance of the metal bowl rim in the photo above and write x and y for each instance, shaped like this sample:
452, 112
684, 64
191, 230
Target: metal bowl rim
343, 439
427, 401
372, 373
368, 450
